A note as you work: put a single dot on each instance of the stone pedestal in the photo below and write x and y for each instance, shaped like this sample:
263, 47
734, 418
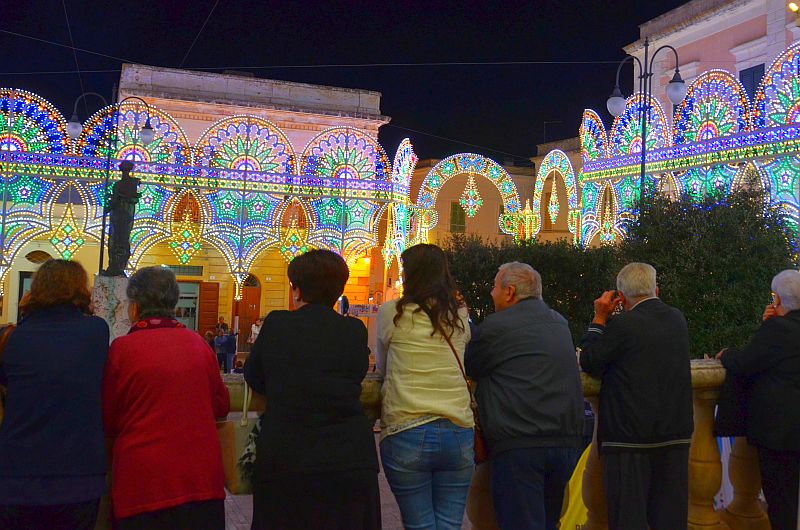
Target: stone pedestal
111, 303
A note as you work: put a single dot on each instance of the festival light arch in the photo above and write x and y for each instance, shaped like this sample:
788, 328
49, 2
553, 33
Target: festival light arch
466, 164
345, 158
556, 164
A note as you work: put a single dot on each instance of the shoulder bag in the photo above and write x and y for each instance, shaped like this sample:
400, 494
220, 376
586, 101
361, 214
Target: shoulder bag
480, 448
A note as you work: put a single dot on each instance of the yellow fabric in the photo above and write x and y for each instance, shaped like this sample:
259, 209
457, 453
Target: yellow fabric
422, 381
575, 514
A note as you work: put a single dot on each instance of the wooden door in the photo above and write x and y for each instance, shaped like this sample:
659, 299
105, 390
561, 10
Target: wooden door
208, 307
248, 309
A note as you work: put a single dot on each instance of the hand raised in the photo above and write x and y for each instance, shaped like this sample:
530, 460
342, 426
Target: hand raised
604, 306
769, 312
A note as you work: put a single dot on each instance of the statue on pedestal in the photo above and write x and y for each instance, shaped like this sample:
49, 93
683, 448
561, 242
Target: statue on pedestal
122, 206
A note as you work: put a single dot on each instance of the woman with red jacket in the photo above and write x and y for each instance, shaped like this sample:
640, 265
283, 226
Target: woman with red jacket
161, 394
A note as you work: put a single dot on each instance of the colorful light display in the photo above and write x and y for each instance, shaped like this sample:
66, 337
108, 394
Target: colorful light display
471, 201
719, 142
472, 165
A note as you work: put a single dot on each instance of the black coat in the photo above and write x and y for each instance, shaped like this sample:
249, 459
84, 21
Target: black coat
529, 389
642, 356
53, 366
309, 364
772, 363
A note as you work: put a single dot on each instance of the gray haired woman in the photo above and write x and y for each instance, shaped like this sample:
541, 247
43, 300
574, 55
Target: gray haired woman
161, 394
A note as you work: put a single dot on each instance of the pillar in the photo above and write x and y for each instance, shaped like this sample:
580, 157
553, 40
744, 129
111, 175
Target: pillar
744, 512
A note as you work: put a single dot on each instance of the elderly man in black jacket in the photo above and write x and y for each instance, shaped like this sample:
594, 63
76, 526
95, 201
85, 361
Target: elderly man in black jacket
529, 400
771, 362
645, 418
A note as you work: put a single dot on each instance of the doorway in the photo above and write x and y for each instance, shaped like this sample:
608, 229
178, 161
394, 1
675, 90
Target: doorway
248, 309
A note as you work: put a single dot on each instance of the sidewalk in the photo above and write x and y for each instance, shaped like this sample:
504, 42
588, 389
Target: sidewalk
239, 510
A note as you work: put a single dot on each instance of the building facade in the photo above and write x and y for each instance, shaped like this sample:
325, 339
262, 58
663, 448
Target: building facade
242, 175
735, 128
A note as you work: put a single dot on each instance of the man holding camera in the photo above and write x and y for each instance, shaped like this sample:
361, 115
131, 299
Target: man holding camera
645, 417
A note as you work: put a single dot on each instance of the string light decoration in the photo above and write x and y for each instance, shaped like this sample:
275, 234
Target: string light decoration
186, 239
169, 145
556, 164
345, 222
399, 229
67, 238
294, 242
715, 105
626, 132
469, 164
719, 139
470, 200
552, 208
594, 141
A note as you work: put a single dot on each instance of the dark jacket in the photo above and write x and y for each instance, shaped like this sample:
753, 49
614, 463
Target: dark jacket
642, 356
528, 383
53, 368
309, 364
772, 363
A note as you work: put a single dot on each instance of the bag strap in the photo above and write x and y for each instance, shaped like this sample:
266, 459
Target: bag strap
248, 395
5, 334
472, 402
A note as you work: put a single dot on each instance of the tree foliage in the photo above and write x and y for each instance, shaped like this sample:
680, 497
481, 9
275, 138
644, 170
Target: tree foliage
715, 260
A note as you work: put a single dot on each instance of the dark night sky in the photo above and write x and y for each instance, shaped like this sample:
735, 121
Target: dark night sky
499, 107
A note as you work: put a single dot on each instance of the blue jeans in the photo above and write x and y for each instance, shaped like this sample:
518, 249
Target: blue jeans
429, 469
528, 486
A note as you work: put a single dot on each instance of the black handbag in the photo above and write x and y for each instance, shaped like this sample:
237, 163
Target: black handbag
731, 418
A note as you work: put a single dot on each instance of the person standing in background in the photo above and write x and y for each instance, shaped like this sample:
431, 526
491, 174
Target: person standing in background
426, 425
529, 400
52, 452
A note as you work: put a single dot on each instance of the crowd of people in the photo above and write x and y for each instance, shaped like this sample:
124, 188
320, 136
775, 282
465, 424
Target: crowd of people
157, 391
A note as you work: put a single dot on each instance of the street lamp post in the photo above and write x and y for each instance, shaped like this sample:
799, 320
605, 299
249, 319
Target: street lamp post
676, 91
74, 129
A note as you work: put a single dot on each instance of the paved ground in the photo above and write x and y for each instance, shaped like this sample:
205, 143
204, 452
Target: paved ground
239, 510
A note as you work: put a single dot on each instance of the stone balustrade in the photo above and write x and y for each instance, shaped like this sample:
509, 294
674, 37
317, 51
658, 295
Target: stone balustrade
705, 466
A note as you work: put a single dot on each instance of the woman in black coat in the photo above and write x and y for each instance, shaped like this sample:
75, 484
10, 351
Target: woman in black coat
52, 453
316, 465
771, 363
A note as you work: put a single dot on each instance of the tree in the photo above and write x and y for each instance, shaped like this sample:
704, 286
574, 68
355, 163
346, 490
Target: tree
715, 260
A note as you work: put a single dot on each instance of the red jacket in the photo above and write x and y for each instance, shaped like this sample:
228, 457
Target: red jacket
161, 394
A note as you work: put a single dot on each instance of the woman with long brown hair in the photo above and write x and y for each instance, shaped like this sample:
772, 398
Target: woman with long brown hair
426, 423
52, 454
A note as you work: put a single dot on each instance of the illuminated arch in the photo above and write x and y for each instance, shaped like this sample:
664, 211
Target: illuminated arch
30, 123
609, 229
246, 143
169, 145
626, 133
777, 100
398, 222
556, 163
716, 105
594, 140
295, 217
465, 164
346, 225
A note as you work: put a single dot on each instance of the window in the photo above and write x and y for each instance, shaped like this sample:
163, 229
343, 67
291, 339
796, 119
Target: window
750, 78
458, 218
186, 270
